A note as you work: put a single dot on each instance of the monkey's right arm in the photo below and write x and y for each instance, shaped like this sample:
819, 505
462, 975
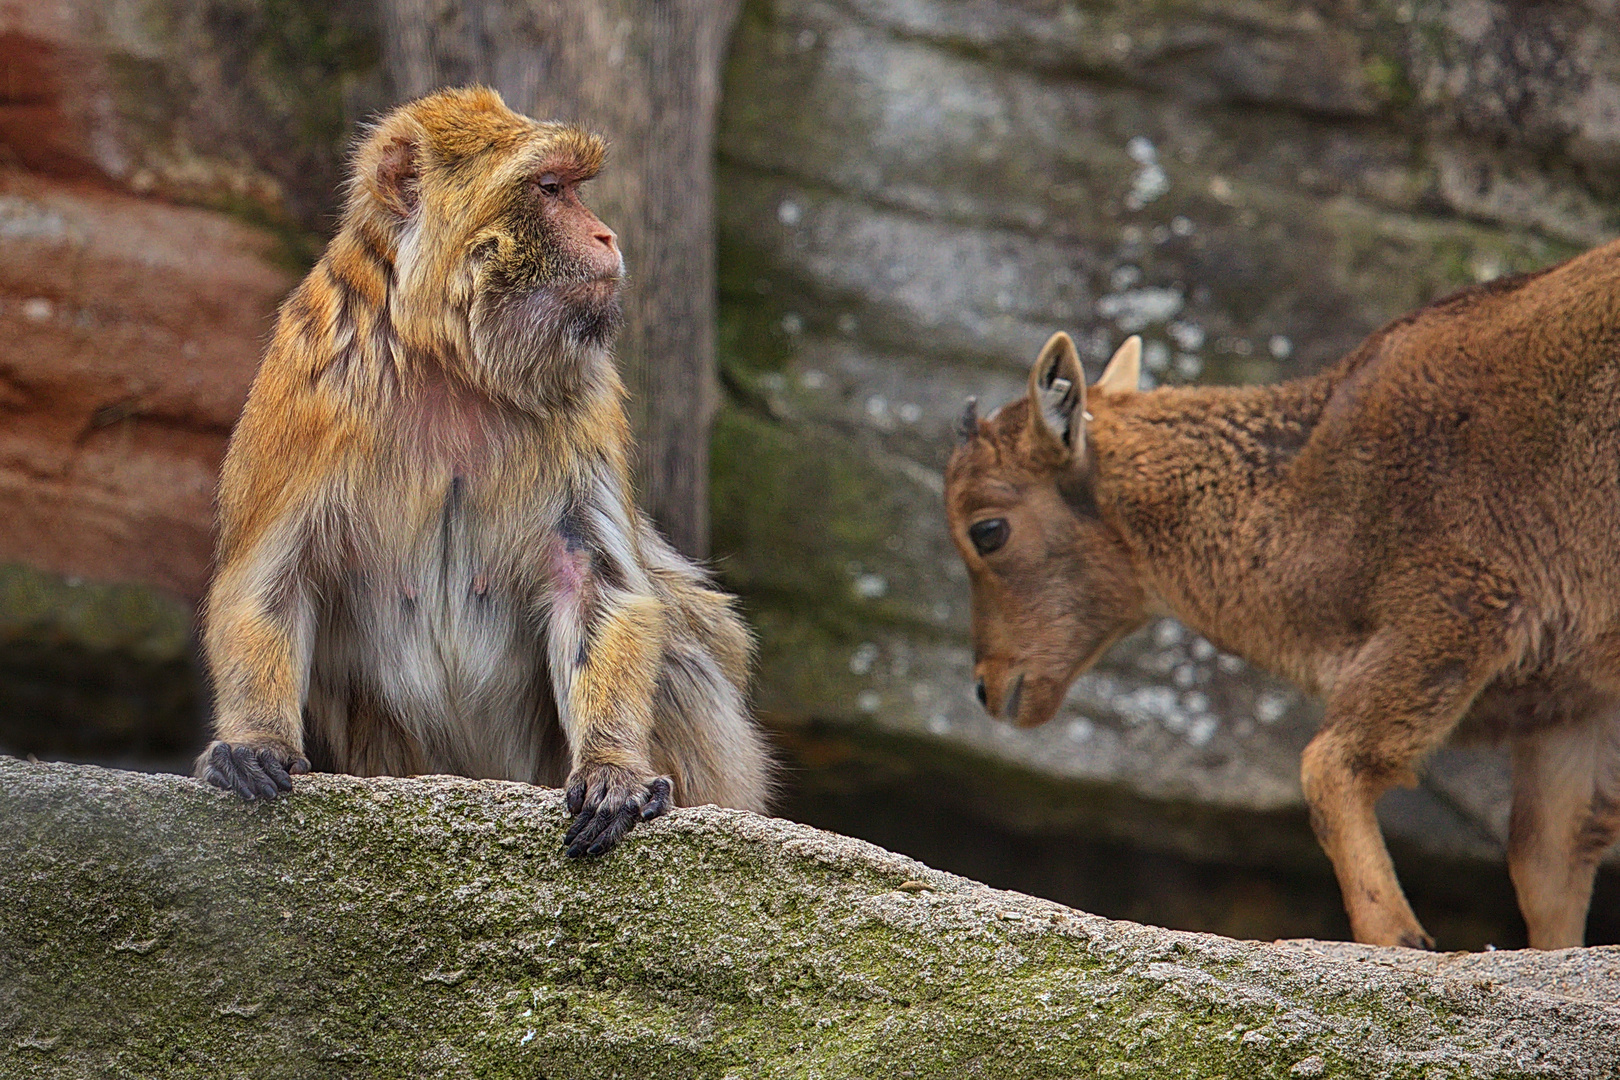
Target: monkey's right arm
606, 692
259, 636
260, 617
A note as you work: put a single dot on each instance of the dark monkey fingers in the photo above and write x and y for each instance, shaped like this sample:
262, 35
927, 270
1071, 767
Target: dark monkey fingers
253, 772
606, 806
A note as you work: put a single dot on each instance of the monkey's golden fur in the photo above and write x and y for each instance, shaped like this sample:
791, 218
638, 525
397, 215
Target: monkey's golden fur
429, 560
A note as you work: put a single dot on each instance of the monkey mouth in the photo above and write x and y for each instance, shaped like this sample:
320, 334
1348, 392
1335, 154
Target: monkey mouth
592, 291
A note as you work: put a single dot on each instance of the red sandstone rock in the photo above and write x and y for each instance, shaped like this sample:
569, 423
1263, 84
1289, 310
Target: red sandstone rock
129, 327
129, 332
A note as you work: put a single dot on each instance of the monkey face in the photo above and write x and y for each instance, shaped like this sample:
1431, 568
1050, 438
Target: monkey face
479, 211
550, 274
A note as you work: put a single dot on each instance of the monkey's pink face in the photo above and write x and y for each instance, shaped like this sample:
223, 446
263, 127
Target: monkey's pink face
555, 276
578, 235
588, 292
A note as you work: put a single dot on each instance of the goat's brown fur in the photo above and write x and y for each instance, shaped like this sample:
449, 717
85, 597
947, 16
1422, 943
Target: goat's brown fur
429, 560
1424, 534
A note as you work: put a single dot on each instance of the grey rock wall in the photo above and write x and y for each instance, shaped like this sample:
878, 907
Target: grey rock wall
151, 926
915, 194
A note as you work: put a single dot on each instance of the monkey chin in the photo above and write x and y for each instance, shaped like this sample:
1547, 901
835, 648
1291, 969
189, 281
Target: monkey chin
590, 311
531, 332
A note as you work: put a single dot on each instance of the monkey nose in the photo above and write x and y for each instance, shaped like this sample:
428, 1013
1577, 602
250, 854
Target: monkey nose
980, 693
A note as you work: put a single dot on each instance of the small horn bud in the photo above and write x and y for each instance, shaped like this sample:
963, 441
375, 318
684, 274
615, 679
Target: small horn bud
968, 426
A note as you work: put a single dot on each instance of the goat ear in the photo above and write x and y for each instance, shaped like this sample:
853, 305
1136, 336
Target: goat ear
968, 425
1057, 397
1123, 375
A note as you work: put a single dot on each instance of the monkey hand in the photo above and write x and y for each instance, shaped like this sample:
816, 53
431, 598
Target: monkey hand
605, 801
253, 771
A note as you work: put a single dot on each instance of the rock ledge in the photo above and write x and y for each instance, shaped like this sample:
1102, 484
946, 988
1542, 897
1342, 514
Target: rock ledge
432, 927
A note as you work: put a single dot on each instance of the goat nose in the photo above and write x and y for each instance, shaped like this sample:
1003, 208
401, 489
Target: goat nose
979, 692
1009, 709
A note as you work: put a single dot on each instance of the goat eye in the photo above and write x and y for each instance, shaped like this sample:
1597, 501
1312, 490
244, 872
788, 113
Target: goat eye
989, 535
549, 185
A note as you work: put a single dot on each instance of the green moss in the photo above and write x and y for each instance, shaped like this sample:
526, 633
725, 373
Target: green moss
295, 249
310, 49
750, 339
1390, 80
247, 106
434, 928
41, 608
94, 671
301, 60
1396, 263
791, 508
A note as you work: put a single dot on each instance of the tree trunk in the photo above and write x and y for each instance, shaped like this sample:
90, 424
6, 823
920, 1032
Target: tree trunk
646, 75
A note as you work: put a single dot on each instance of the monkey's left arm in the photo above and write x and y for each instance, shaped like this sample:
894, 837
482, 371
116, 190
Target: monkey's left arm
606, 638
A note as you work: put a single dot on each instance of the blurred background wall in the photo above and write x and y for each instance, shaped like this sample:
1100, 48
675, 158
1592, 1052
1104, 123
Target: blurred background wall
908, 197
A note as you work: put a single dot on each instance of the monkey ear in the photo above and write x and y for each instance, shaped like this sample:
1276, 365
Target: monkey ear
1057, 399
1123, 375
395, 181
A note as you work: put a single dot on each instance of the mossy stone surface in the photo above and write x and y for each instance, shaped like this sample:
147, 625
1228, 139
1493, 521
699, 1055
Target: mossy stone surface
150, 926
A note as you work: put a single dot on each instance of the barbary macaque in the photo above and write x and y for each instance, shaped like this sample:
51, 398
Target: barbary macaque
429, 558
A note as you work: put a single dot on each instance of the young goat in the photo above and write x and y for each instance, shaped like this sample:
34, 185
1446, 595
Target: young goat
1424, 534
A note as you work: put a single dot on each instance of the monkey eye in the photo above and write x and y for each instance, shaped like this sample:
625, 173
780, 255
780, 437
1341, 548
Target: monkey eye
989, 535
549, 185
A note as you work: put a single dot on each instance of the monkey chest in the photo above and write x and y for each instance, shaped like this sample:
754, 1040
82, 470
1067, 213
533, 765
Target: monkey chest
429, 616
